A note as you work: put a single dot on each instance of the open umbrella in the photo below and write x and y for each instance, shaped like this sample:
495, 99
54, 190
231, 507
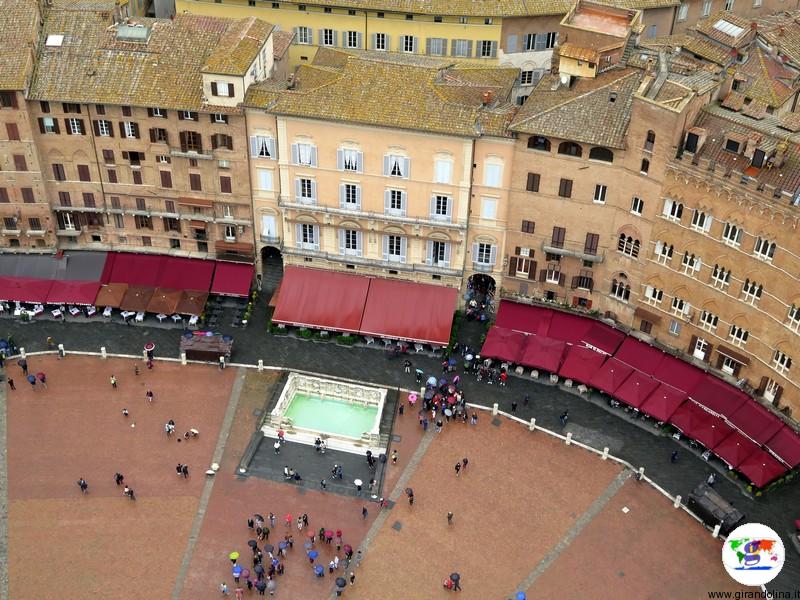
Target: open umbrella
261, 585
233, 555
428, 394
454, 577
245, 573
341, 582
521, 596
412, 398
258, 569
237, 570
452, 362
328, 533
348, 548
313, 555
318, 570
448, 412
31, 379
442, 382
431, 380
284, 545
268, 548
258, 517
308, 546
150, 346
252, 543
272, 585
409, 492
358, 482
451, 400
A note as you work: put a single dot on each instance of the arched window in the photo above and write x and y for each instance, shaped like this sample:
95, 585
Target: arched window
538, 142
628, 246
650, 142
570, 149
600, 153
645, 166
620, 290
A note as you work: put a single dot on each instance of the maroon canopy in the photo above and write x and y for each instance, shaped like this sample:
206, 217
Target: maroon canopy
761, 468
717, 396
756, 421
568, 327
543, 353
504, 344
417, 312
581, 364
711, 431
232, 279
523, 317
603, 337
689, 418
137, 269
636, 389
640, 355
73, 292
735, 448
321, 299
24, 289
677, 373
186, 274
611, 376
664, 401
786, 445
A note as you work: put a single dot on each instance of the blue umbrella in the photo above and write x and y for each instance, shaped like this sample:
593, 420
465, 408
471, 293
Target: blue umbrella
313, 555
431, 380
284, 545
442, 381
31, 379
521, 596
318, 570
452, 362
237, 570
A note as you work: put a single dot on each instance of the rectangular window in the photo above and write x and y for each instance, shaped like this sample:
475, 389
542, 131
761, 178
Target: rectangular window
526, 78
187, 115
441, 208
729, 5
166, 179
443, 171
225, 185
9, 224
349, 159
104, 129
488, 209
781, 362
34, 224
306, 191
304, 155
230, 233
395, 202
591, 243
71, 108
706, 8
303, 35
600, 194
637, 205
683, 11
396, 166
112, 176
565, 188
108, 157
528, 226
461, 48
532, 184
27, 195
552, 274
436, 46
13, 131
64, 199
137, 177
492, 174
191, 141
794, 317
486, 254
264, 179
408, 43
709, 321
48, 125
141, 204
487, 49
4, 195
88, 200
350, 242
129, 129
163, 159
438, 254
169, 206
58, 172
83, 173
380, 41
327, 37
262, 146
350, 196
394, 248
75, 126
559, 235
143, 222
353, 39
8, 99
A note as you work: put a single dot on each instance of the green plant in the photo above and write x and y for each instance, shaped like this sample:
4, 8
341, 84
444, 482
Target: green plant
347, 340
275, 330
306, 334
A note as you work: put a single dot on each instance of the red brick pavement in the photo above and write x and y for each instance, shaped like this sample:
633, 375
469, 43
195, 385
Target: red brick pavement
63, 545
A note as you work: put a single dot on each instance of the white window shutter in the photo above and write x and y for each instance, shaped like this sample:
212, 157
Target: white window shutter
449, 208
415, 44
433, 207
493, 255
447, 255
667, 208
698, 263
321, 36
340, 159
403, 203
335, 38
373, 43
388, 42
494, 50
313, 190
313, 156
342, 235
342, 195
511, 43
659, 247
387, 164
359, 243
359, 40
358, 197
387, 201
707, 224
253, 145
386, 247
407, 165
296, 35
298, 234
295, 154
360, 162
298, 190
403, 246
271, 147
429, 252
475, 252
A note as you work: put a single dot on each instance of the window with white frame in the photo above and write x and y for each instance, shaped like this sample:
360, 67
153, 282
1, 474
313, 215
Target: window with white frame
620, 290
104, 128
709, 321
220, 118
492, 174
76, 127
349, 159
489, 209
306, 190
691, 263
353, 39
764, 249
262, 146
729, 5
683, 11
328, 38
653, 295
628, 246
188, 115
781, 361
230, 233
732, 235
706, 8
227, 211
130, 129
350, 242
436, 46
265, 182
679, 306
441, 207
524, 267
484, 254
720, 276
637, 205
700, 348
738, 336
751, 291
553, 273
674, 327
395, 165
303, 35
794, 317
308, 236
394, 248
395, 202
487, 49
443, 171
408, 43
757, 3
304, 154
380, 41
438, 254
701, 221
350, 196
600, 194
672, 210
526, 78
664, 252
461, 48
771, 389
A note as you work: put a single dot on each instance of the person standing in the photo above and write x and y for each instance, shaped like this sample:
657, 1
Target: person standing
113, 381
323, 484
712, 479
352, 578
11, 384
149, 396
514, 407
458, 469
223, 588
464, 463
179, 469
449, 518
359, 556
83, 485
564, 418
407, 366
185, 471
526, 399
24, 366
42, 379
364, 512
119, 478
674, 457
394, 457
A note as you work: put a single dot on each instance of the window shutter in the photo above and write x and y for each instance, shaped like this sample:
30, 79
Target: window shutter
667, 208
388, 42
429, 252
475, 247
298, 230
295, 154
149, 112
96, 128
321, 35
335, 38
121, 129
692, 343
341, 241
342, 195
298, 187
512, 266
387, 201
314, 190
493, 255
778, 394
433, 207
707, 357
296, 35
182, 136
313, 156
449, 208
406, 168
358, 197
214, 141
231, 90
229, 142
511, 43
386, 247
574, 284
67, 127
542, 275
532, 271
447, 255
340, 160
135, 129
561, 279
373, 43
428, 45
403, 203
41, 125
386, 164
81, 127
152, 134
214, 88
493, 51
469, 47
403, 249
414, 44
359, 40
359, 243
271, 147
180, 115
253, 146
707, 226
360, 162
762, 386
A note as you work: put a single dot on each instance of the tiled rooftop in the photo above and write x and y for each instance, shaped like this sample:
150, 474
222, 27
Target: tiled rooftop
782, 31
281, 40
92, 66
725, 27
765, 79
18, 20
592, 111
375, 89
238, 47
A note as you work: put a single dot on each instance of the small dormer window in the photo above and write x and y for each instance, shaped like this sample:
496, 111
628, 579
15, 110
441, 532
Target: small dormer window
732, 145
221, 89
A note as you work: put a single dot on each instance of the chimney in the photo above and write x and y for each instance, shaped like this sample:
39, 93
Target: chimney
780, 154
486, 98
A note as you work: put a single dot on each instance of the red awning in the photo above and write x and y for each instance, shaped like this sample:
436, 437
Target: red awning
664, 401
416, 312
611, 376
718, 396
640, 355
543, 353
23, 289
581, 364
568, 327
711, 431
689, 417
73, 292
321, 299
108, 267
523, 317
760, 468
603, 337
186, 274
504, 344
137, 269
636, 389
232, 279
735, 449
786, 445
756, 421
678, 373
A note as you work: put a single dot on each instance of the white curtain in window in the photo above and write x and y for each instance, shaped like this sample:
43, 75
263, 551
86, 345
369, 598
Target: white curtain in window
351, 160
305, 154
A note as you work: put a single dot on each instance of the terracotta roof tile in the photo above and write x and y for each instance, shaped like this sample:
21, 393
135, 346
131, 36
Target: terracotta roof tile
734, 101
756, 109
724, 27
578, 52
790, 122
782, 31
281, 40
18, 36
238, 48
583, 112
766, 80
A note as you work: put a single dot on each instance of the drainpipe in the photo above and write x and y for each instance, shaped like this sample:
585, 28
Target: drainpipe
257, 257
100, 175
467, 247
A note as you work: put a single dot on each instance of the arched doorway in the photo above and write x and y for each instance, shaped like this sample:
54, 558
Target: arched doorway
271, 270
480, 303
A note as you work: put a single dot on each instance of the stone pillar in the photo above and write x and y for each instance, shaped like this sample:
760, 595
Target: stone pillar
183, 358
495, 408
677, 502
569, 438
605, 453
260, 364
103, 352
532, 426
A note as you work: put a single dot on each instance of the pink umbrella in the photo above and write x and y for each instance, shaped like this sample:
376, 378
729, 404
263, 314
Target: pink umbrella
412, 398
246, 573
328, 533
451, 400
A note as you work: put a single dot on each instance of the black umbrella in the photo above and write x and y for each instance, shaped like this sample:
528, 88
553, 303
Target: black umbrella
454, 577
258, 517
258, 569
409, 492
268, 547
341, 582
261, 585
252, 543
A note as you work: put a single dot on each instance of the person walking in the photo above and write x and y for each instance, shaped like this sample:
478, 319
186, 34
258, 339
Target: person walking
712, 479
564, 418
11, 384
674, 457
128, 491
119, 478
223, 588
364, 512
42, 379
449, 518
458, 469
323, 484
514, 407
83, 485
407, 366
359, 557
525, 399
352, 578
239, 593
394, 457
473, 419
149, 396
179, 469
113, 381
277, 447
185, 471
464, 463
23, 364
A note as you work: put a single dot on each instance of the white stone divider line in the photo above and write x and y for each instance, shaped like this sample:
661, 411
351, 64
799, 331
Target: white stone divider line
3, 495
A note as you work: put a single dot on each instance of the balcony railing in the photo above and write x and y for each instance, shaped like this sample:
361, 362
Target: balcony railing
68, 232
270, 239
572, 250
482, 267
